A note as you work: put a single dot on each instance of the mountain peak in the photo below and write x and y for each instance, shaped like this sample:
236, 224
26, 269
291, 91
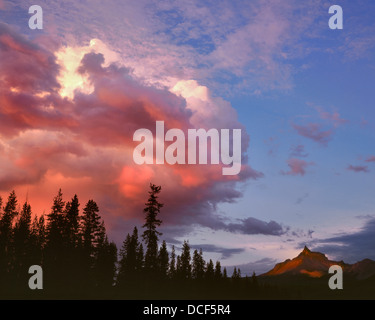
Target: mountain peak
306, 250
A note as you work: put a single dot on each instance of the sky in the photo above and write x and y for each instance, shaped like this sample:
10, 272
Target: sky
73, 93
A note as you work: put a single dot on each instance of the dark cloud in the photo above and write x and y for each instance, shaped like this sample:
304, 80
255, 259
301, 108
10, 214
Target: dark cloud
350, 247
255, 226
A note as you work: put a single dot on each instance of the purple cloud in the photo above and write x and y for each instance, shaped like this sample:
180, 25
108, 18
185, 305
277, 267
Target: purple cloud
314, 132
358, 168
370, 159
297, 167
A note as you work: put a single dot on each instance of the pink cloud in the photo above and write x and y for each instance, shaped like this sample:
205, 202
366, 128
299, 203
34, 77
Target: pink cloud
370, 159
297, 167
85, 146
358, 168
334, 118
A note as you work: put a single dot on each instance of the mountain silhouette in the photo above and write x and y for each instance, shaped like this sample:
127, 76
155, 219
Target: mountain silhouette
316, 265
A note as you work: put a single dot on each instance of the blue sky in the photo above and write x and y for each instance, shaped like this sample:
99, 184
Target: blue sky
304, 93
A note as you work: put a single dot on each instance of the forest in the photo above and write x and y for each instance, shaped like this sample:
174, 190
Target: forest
79, 261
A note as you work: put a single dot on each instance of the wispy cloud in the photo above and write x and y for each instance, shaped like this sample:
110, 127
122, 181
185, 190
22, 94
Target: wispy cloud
297, 167
298, 151
314, 132
370, 159
358, 168
225, 252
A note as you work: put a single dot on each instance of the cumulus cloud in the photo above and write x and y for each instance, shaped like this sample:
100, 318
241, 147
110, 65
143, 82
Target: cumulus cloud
82, 141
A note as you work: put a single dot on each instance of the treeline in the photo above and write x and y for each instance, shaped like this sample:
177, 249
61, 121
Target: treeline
78, 260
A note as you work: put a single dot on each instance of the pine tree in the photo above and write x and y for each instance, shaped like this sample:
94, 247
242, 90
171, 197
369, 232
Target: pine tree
218, 274
210, 272
185, 261
22, 244
172, 264
235, 274
55, 225
198, 265
131, 259
163, 260
225, 275
72, 222
93, 232
6, 240
150, 235
105, 264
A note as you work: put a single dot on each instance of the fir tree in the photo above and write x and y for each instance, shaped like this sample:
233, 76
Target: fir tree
210, 272
218, 274
185, 261
172, 264
150, 234
163, 260
198, 267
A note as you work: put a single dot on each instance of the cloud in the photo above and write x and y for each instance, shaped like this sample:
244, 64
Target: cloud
297, 167
252, 225
298, 151
259, 267
83, 143
350, 247
302, 198
225, 252
314, 132
358, 168
370, 159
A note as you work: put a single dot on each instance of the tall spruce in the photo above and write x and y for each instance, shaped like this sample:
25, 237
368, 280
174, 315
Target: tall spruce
198, 268
172, 264
185, 261
163, 260
151, 234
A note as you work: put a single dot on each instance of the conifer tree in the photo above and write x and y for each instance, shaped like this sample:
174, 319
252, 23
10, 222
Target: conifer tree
185, 261
150, 234
225, 275
198, 267
172, 264
218, 274
210, 272
163, 260
22, 243
6, 240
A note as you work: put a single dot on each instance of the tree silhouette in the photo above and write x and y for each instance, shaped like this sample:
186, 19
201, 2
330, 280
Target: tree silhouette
150, 234
218, 274
185, 261
198, 267
163, 260
172, 264
78, 260
210, 271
